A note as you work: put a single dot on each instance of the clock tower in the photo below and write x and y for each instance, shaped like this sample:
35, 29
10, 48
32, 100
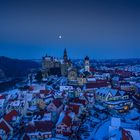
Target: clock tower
86, 63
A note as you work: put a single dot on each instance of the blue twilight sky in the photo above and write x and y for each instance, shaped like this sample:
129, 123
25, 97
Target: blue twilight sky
98, 28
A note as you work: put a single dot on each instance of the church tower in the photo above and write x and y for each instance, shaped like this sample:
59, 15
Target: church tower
65, 56
86, 63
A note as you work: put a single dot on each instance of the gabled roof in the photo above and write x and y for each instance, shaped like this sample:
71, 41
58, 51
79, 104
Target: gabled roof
2, 96
74, 107
114, 92
30, 128
67, 120
8, 117
57, 102
5, 126
96, 85
81, 101
46, 91
92, 69
42, 126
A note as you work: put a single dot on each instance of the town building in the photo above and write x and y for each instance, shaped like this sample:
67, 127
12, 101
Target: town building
55, 66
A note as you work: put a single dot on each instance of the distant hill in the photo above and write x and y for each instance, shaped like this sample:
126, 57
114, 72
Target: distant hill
15, 67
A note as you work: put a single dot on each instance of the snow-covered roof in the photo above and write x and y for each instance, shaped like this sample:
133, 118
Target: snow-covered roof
29, 97
62, 88
62, 115
91, 79
105, 90
115, 122
134, 133
2, 102
117, 102
15, 103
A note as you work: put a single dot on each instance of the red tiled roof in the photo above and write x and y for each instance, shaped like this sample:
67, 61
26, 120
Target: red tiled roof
31, 88
2, 97
77, 100
45, 91
67, 120
92, 70
126, 135
97, 84
10, 115
123, 72
57, 102
75, 108
30, 128
4, 126
43, 126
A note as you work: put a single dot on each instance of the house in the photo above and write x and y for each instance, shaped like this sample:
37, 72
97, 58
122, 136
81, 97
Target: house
72, 74
123, 73
126, 86
136, 96
55, 106
6, 131
117, 131
81, 80
137, 90
12, 118
90, 96
76, 108
109, 94
114, 99
64, 124
39, 130
19, 105
49, 99
82, 101
41, 104
46, 95
96, 84
42, 115
66, 88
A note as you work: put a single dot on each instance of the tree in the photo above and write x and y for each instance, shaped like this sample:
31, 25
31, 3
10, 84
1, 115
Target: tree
39, 76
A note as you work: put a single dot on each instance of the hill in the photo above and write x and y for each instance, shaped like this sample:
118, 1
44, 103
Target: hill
16, 67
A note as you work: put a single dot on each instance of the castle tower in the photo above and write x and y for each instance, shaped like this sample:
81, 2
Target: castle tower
86, 63
65, 56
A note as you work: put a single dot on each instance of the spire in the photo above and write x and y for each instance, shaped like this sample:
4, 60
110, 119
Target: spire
65, 56
87, 65
86, 58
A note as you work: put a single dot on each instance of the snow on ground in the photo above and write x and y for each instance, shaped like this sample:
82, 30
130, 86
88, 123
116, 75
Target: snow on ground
132, 114
101, 132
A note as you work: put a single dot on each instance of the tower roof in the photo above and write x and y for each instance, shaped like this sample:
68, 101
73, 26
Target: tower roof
65, 56
86, 58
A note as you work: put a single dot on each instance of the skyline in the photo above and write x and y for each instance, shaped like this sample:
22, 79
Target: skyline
101, 30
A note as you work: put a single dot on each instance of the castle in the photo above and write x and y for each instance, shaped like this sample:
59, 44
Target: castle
55, 66
64, 67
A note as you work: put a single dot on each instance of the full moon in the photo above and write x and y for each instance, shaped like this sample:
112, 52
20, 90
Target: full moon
60, 37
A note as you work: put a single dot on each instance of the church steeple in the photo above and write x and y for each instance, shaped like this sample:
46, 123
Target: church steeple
65, 56
87, 65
